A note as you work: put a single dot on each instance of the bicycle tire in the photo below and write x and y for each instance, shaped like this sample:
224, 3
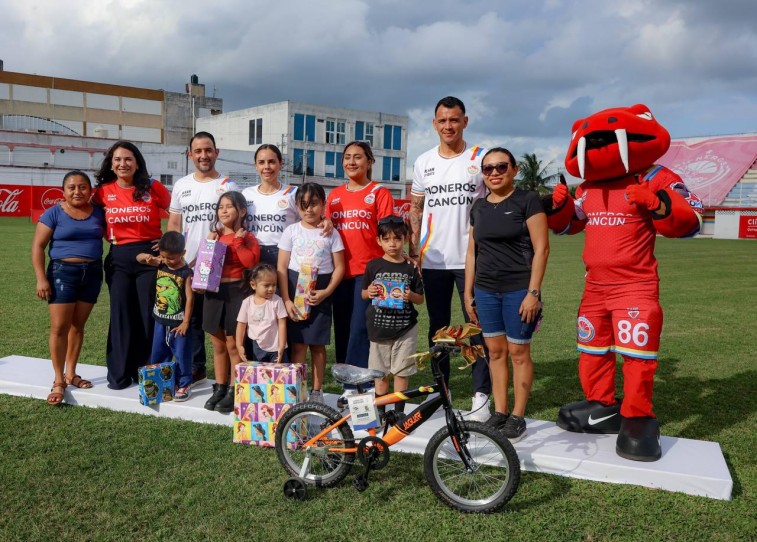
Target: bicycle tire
304, 421
496, 476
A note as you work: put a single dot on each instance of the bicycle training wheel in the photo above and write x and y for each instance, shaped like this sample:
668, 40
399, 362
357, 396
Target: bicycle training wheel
493, 478
303, 422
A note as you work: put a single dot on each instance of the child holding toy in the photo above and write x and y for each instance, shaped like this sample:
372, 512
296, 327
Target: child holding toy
263, 316
304, 243
174, 301
220, 311
393, 332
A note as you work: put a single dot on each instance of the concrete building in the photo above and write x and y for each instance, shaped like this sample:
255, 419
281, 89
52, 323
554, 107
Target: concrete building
82, 108
312, 138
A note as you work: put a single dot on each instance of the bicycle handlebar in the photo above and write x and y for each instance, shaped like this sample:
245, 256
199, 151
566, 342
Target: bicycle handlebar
444, 348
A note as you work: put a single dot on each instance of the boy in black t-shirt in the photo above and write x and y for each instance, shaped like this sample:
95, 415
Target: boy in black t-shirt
388, 282
174, 301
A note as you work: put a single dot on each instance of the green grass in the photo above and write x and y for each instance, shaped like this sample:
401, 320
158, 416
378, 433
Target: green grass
92, 474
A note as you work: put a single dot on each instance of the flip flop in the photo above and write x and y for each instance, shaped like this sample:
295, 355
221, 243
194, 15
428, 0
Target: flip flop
56, 397
79, 382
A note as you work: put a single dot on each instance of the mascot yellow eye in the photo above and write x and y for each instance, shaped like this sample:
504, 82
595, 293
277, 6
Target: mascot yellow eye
646, 116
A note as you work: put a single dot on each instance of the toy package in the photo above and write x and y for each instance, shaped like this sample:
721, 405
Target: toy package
305, 283
262, 393
391, 296
209, 265
156, 383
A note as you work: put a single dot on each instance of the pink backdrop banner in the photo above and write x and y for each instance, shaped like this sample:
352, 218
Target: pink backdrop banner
711, 167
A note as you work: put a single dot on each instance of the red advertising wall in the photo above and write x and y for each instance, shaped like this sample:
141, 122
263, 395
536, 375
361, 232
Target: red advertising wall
748, 227
402, 207
24, 200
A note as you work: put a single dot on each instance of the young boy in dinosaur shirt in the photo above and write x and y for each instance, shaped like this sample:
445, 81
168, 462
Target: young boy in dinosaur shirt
174, 301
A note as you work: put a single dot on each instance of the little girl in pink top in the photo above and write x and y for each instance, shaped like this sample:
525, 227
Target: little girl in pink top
263, 315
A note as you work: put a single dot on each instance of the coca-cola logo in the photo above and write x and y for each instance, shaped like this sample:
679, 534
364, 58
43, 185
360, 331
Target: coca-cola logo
51, 197
401, 208
9, 200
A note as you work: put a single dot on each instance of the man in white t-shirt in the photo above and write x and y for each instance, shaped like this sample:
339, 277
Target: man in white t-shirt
192, 212
446, 181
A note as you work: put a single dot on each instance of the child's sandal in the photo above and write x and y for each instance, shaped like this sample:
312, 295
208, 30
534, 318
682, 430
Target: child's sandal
56, 397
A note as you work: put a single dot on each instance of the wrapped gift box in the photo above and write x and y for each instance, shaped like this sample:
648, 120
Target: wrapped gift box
306, 282
157, 383
391, 296
262, 393
209, 265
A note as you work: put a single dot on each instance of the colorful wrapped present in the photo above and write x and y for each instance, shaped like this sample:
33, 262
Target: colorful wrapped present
392, 294
306, 281
157, 383
262, 393
209, 266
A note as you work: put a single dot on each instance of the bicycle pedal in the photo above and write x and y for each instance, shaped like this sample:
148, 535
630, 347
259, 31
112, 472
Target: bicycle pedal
360, 483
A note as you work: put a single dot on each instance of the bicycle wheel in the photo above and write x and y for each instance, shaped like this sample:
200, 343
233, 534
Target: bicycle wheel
300, 424
495, 473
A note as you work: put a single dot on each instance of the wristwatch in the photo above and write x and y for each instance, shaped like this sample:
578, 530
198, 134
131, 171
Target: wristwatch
534, 292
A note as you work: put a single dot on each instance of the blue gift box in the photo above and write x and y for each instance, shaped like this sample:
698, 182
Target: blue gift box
157, 383
392, 294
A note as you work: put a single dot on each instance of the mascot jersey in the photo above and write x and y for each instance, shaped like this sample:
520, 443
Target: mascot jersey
620, 237
170, 295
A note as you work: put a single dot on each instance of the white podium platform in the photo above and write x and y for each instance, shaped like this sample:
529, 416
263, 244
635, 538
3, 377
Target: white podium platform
688, 466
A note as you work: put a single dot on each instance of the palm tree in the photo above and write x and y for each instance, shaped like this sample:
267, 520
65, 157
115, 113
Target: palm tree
532, 176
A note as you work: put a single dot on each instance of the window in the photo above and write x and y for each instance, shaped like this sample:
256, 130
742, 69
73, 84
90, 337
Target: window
304, 127
369, 133
390, 170
364, 132
256, 131
336, 131
334, 167
166, 180
299, 159
392, 137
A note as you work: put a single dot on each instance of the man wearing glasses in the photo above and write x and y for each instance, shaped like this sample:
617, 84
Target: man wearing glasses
446, 181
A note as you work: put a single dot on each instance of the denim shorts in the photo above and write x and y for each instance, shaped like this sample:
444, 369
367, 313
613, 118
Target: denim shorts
72, 282
498, 315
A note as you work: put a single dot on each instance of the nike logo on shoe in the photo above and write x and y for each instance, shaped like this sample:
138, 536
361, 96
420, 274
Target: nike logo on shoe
592, 421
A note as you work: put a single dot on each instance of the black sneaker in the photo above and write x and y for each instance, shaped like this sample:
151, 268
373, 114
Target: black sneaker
497, 420
198, 377
515, 428
219, 392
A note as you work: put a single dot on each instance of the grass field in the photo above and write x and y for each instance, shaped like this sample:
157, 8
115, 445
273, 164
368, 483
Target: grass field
76, 473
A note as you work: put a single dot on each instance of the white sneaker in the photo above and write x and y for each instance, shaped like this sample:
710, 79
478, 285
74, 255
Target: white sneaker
316, 396
481, 409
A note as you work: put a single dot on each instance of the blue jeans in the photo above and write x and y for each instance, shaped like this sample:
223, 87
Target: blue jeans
71, 282
498, 315
167, 345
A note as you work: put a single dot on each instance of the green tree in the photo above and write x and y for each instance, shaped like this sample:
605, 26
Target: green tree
533, 176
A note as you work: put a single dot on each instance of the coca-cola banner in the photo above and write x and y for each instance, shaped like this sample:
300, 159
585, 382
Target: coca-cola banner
402, 207
24, 200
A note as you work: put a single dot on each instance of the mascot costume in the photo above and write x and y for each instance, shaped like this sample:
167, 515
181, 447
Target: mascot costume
625, 200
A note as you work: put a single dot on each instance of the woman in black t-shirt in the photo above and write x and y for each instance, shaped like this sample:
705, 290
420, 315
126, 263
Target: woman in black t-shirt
504, 267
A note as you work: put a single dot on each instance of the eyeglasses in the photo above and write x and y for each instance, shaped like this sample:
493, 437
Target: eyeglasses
501, 168
391, 219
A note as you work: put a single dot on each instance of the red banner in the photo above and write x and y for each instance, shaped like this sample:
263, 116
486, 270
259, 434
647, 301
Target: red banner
25, 200
402, 207
748, 227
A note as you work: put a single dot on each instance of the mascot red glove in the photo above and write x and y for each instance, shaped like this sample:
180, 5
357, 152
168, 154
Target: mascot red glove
623, 203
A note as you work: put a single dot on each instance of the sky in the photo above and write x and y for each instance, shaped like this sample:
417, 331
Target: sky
526, 69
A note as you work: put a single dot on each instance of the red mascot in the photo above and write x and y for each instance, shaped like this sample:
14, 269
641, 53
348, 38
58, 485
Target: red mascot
623, 203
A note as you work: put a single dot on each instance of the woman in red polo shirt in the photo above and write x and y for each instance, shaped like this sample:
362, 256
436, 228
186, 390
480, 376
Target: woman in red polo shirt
355, 209
132, 203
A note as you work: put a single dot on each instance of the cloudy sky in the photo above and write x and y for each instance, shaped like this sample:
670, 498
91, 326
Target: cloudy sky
526, 69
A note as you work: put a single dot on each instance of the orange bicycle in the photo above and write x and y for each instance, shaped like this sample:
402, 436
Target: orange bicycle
470, 466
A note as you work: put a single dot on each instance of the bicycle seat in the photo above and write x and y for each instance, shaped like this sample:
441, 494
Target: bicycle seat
349, 374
